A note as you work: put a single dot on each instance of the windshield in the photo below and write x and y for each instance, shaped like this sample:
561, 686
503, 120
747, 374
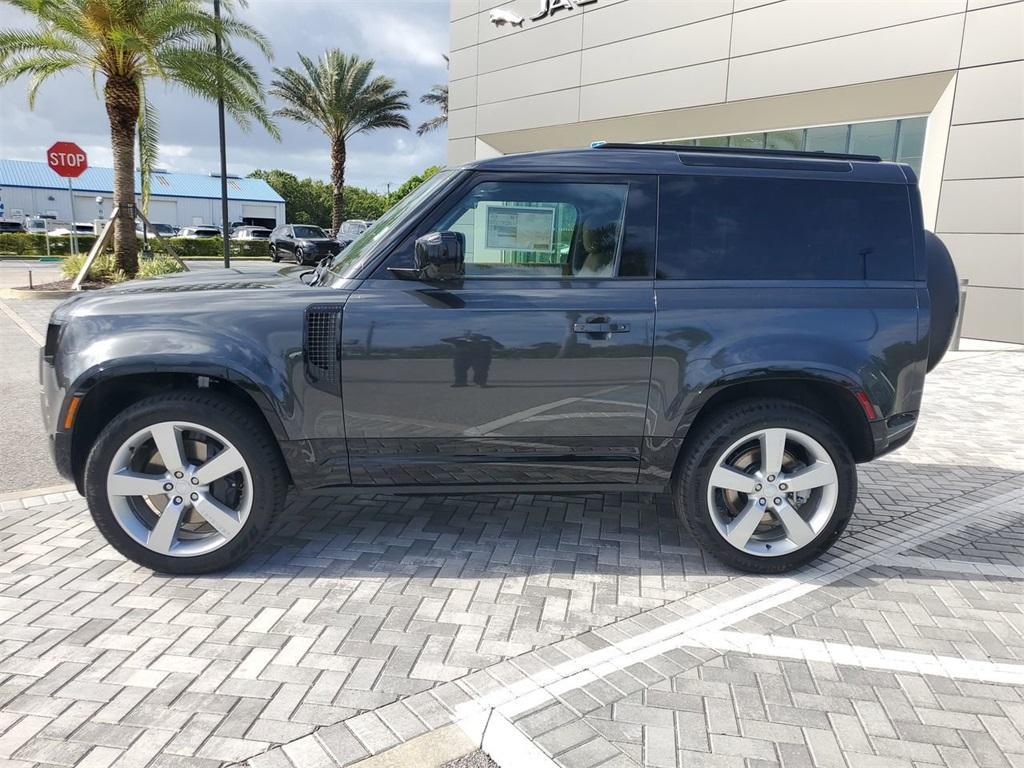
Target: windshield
308, 232
354, 255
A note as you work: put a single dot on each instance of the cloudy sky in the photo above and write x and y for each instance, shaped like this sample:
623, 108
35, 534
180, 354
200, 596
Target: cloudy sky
406, 38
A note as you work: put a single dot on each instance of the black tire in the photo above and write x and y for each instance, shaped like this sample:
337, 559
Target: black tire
714, 436
239, 424
300, 257
274, 256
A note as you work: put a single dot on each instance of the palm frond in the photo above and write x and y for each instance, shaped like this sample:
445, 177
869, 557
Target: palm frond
149, 145
432, 124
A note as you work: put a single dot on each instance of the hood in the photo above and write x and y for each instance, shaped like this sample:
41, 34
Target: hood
266, 276
186, 290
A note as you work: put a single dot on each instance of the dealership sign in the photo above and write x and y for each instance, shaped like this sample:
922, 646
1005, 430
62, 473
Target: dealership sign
500, 16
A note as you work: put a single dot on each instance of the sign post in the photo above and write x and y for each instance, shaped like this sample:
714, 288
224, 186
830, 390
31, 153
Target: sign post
69, 160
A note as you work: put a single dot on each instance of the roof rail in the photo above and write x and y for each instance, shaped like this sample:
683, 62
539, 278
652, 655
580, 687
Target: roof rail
739, 151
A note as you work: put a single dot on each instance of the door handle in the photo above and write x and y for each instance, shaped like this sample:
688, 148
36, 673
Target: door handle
600, 325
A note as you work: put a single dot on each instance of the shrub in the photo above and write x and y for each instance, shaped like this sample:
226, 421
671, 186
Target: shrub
27, 244
212, 248
157, 265
104, 268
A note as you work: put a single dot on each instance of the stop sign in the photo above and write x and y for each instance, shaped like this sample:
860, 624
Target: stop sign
67, 159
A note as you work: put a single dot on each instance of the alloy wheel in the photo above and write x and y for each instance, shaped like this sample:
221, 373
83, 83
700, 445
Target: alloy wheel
772, 492
179, 489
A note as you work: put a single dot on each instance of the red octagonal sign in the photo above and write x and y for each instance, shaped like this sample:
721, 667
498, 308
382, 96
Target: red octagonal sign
67, 159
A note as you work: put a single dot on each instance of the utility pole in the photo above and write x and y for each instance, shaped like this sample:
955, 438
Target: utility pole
223, 151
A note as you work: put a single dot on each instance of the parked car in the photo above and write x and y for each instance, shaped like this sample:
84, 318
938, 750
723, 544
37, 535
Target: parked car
199, 231
350, 230
250, 233
81, 228
11, 225
163, 230
738, 328
303, 243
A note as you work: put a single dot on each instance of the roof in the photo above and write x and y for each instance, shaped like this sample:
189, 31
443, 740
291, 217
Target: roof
672, 159
25, 173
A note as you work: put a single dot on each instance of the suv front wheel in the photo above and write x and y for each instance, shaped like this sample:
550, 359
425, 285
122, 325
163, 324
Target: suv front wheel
185, 483
766, 486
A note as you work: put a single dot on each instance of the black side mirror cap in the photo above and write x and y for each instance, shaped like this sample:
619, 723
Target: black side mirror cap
441, 256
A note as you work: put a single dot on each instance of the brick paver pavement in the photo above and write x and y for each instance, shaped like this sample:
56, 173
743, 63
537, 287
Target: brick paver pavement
370, 619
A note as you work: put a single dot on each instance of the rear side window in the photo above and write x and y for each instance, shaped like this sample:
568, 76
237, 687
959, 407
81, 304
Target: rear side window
735, 228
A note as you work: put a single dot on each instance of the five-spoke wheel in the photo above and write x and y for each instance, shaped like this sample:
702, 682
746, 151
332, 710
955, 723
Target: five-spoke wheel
766, 486
186, 482
179, 488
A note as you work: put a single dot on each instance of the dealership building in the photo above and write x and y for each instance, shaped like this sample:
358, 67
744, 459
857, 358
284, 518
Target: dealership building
938, 84
177, 199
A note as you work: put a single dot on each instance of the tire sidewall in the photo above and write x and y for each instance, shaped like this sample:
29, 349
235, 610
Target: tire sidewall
237, 428
695, 477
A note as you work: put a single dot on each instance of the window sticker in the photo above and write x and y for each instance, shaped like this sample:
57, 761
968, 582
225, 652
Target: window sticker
521, 229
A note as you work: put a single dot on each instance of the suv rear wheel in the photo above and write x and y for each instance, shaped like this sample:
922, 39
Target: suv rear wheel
185, 483
766, 486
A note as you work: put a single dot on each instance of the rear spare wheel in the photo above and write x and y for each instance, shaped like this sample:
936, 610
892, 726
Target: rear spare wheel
943, 295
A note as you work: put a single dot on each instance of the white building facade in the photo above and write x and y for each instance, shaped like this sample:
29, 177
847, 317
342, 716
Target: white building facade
938, 84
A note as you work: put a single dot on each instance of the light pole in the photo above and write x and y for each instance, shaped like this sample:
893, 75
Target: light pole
223, 151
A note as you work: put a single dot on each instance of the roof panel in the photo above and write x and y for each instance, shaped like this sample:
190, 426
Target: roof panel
25, 173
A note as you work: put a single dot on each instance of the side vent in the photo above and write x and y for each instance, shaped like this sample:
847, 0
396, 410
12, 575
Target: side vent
320, 348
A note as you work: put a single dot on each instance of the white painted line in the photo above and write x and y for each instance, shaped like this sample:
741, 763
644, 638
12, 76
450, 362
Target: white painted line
887, 541
31, 332
965, 567
511, 748
858, 656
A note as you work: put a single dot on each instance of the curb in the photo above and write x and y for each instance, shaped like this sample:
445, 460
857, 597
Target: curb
31, 492
20, 294
431, 750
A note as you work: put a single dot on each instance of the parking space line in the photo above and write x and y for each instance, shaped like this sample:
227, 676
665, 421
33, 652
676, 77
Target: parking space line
964, 567
515, 699
860, 656
31, 332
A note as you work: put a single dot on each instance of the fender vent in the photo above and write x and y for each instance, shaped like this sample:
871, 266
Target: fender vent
320, 345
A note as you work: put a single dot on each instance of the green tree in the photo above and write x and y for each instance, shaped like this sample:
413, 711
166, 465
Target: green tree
412, 182
306, 201
364, 204
128, 42
339, 95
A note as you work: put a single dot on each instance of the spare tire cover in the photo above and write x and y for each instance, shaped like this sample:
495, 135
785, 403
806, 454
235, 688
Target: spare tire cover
943, 295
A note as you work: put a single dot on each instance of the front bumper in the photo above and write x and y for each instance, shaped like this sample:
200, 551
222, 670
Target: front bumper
52, 399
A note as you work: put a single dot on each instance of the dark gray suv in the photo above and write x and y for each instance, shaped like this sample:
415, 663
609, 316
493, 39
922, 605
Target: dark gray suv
736, 328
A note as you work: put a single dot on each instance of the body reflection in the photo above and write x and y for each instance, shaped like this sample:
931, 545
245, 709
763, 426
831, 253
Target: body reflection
473, 351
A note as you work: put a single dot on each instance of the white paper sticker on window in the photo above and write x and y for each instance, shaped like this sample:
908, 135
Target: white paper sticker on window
521, 229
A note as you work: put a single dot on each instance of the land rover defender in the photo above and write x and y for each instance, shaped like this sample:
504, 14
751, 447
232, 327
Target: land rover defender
737, 328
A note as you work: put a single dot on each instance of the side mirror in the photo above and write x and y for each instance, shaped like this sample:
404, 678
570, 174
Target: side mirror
441, 256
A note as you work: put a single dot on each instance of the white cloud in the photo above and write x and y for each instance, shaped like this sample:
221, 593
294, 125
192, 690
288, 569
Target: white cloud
389, 37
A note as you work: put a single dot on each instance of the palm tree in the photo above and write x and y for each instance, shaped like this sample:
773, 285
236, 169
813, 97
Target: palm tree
437, 95
339, 95
129, 42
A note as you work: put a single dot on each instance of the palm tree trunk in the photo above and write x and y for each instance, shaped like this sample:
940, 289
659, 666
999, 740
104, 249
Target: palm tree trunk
337, 181
122, 101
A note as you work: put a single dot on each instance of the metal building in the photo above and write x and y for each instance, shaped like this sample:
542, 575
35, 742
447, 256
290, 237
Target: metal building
177, 199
